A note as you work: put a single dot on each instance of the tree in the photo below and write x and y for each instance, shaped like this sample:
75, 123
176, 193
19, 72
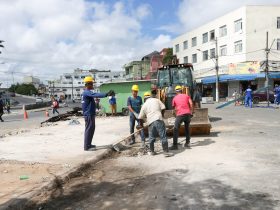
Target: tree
167, 59
24, 89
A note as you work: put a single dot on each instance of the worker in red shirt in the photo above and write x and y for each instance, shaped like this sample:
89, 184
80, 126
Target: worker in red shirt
183, 105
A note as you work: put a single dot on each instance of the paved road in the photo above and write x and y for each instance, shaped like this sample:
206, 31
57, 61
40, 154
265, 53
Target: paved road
235, 168
23, 101
15, 120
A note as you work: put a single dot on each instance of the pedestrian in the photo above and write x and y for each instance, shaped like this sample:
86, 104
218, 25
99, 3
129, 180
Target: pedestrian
277, 94
183, 105
113, 104
248, 97
55, 106
197, 98
134, 104
1, 109
89, 111
8, 106
97, 104
153, 110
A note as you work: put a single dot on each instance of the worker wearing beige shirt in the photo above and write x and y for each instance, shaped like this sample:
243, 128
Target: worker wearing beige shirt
152, 110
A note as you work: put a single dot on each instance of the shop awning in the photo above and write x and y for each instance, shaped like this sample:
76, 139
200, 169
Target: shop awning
233, 77
274, 75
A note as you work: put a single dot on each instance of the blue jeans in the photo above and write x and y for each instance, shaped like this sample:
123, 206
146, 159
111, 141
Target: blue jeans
157, 127
89, 130
55, 111
248, 101
132, 120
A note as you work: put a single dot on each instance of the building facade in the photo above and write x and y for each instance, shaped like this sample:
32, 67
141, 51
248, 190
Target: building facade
31, 80
71, 85
237, 41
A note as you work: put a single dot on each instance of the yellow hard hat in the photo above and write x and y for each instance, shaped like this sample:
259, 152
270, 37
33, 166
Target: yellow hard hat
178, 88
88, 79
147, 94
135, 88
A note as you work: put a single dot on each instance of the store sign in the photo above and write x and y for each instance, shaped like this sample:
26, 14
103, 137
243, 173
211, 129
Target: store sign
244, 68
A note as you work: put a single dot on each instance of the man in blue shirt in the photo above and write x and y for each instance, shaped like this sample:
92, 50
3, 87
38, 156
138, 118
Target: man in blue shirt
134, 104
248, 96
277, 94
113, 104
89, 111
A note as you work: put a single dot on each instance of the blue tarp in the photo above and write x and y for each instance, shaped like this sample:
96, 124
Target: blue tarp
233, 77
274, 75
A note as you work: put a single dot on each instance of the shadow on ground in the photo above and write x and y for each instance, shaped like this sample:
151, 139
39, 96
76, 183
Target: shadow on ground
156, 191
214, 119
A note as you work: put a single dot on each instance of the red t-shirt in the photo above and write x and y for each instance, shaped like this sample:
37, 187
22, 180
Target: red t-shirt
181, 104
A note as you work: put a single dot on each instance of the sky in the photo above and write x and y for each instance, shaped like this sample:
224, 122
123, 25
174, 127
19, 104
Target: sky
46, 38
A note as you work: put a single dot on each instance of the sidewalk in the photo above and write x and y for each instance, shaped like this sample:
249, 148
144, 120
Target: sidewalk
50, 151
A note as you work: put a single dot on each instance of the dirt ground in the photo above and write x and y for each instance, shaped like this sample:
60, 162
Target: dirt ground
235, 168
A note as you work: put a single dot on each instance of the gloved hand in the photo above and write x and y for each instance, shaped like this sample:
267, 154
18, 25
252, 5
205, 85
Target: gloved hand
110, 93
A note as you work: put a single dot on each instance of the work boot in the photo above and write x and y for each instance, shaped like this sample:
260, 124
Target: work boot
187, 145
174, 147
132, 142
166, 152
152, 149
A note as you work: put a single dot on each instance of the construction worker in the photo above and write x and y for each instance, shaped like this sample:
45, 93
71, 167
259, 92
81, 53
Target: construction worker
1, 109
152, 110
183, 105
134, 104
248, 97
89, 111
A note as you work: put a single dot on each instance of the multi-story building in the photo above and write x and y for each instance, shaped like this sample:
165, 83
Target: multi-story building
237, 41
31, 80
71, 85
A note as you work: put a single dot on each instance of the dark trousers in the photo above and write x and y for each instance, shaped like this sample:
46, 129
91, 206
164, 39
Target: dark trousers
89, 130
132, 120
1, 113
157, 127
55, 111
179, 119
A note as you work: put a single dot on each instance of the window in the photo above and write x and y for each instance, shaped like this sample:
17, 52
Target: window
278, 22
82, 77
194, 58
205, 37
76, 77
77, 89
185, 43
212, 53
278, 44
223, 31
64, 90
186, 59
238, 46
194, 41
223, 50
212, 35
177, 48
205, 55
238, 25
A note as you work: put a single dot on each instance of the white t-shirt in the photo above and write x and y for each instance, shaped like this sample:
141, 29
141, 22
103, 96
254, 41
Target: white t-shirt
151, 109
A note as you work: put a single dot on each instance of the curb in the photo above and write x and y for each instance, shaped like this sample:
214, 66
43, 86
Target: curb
26, 201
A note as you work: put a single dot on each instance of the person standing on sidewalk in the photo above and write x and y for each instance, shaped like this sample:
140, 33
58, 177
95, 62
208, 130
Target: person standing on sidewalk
134, 104
152, 110
248, 97
183, 106
1, 109
89, 111
113, 104
55, 106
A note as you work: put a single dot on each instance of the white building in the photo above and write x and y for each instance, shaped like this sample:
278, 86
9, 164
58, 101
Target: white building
71, 85
240, 37
31, 80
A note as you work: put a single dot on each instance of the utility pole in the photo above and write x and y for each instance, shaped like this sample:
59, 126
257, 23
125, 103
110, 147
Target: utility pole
266, 69
217, 71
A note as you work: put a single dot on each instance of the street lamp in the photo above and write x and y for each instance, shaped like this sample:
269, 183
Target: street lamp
216, 61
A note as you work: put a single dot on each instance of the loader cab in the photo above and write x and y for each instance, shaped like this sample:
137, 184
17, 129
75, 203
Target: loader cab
172, 75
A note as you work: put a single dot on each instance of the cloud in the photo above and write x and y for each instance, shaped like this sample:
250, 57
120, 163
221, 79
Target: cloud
48, 37
193, 13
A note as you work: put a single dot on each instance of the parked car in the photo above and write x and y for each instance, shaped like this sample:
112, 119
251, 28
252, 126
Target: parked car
261, 96
39, 100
